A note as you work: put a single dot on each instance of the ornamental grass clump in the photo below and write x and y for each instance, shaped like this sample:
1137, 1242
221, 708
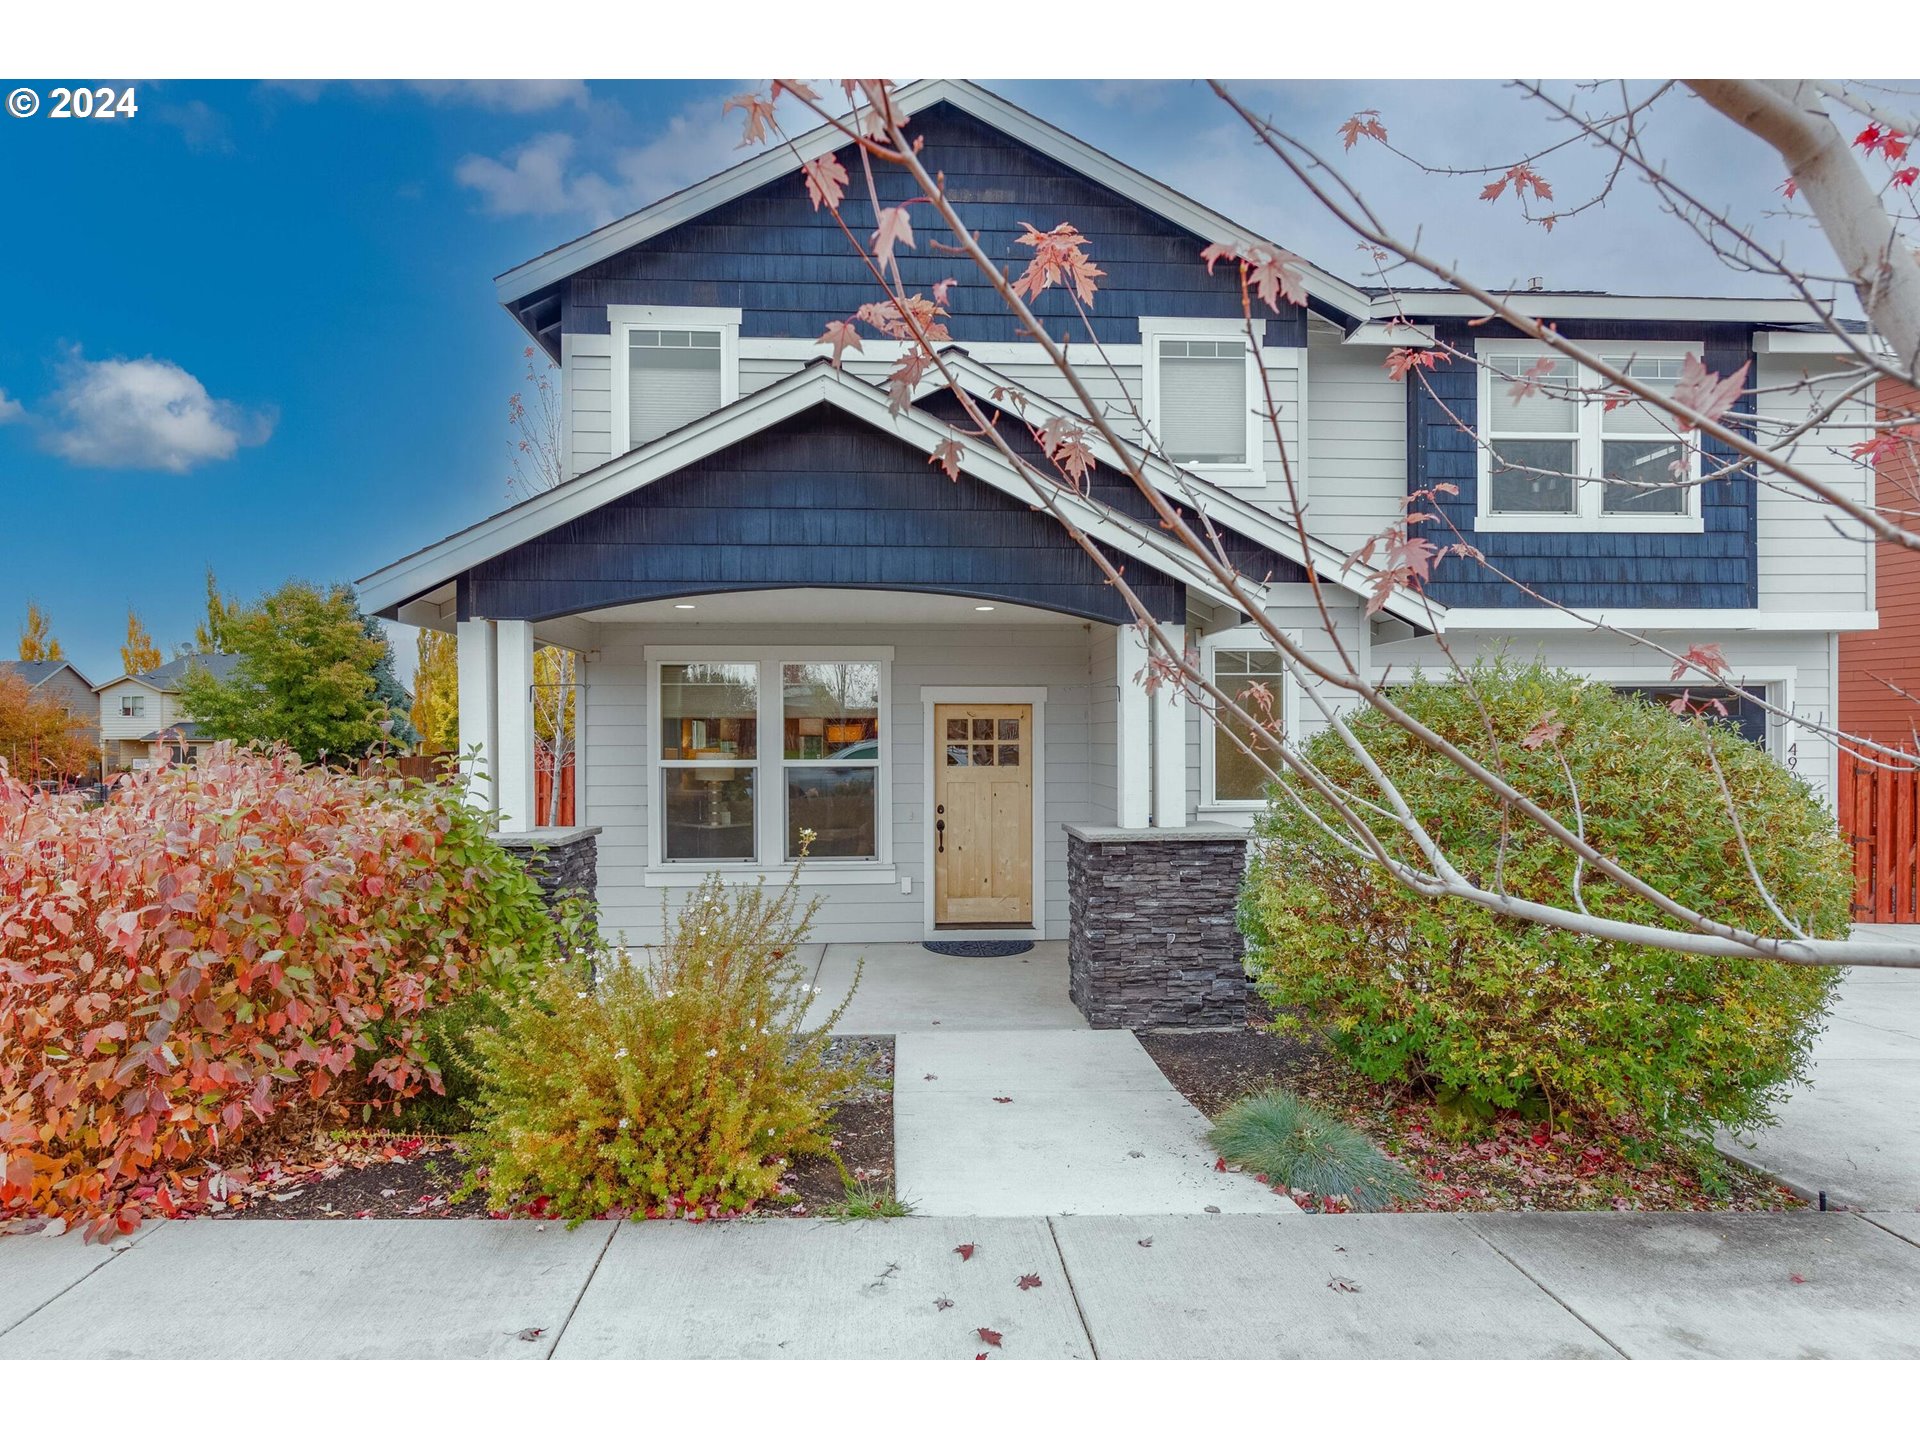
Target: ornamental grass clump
216, 947
677, 1080
1295, 1143
1493, 1013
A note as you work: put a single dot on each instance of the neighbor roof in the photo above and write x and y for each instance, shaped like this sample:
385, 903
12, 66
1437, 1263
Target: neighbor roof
166, 678
37, 672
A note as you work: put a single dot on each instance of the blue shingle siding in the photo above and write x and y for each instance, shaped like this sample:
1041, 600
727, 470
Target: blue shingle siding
820, 500
1717, 569
790, 270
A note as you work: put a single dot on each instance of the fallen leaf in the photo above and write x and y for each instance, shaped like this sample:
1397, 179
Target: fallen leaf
1003, 1099
943, 1303
929, 1077
1220, 1165
965, 1252
991, 1337
1798, 1279
981, 1356
1146, 1244
1213, 1209
533, 1332
1342, 1284
1029, 1282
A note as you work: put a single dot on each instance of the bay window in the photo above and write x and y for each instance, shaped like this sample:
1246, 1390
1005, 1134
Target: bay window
1557, 458
725, 799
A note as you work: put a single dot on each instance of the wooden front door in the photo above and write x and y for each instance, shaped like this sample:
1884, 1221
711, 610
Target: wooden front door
983, 815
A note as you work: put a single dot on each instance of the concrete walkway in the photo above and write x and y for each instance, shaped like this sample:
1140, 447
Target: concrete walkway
1155, 1287
905, 987
1854, 1129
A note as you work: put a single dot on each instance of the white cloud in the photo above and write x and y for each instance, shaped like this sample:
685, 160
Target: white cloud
145, 414
10, 409
544, 176
203, 128
515, 97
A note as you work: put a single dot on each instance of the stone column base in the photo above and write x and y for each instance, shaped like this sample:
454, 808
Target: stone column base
563, 861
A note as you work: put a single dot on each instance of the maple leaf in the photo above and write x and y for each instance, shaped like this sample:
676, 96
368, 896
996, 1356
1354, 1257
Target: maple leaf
898, 319
1220, 1164
799, 89
1797, 1278
1362, 122
1059, 258
1886, 445
1271, 273
1342, 1284
1067, 443
907, 373
965, 1252
1907, 176
1706, 658
943, 1303
1522, 177
1146, 1244
895, 228
1869, 139
1029, 1282
941, 289
1701, 390
947, 455
826, 181
990, 1337
1544, 733
1527, 383
841, 335
1405, 359
1003, 1099
759, 112
1790, 187
981, 1356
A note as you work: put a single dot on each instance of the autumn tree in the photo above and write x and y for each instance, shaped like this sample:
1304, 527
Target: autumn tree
39, 737
210, 636
1861, 194
309, 674
37, 641
139, 654
436, 693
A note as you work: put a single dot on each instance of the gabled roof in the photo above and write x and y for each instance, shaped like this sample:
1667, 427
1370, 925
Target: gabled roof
779, 159
166, 678
37, 672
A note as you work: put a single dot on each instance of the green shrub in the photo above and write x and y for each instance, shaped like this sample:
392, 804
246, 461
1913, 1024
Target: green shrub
680, 1081
1494, 1011
1295, 1143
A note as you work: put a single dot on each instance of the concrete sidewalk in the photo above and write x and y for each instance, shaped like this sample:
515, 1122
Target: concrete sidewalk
1156, 1287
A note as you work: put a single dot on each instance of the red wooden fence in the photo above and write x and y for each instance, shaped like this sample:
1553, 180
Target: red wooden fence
543, 787
1880, 810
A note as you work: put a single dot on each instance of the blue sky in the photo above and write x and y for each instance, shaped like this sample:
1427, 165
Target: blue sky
254, 325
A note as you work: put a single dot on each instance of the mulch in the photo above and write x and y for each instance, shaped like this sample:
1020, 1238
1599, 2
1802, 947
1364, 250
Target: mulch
1510, 1163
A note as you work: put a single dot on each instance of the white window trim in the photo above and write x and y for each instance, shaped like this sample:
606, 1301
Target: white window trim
1036, 697
1153, 330
1241, 637
770, 800
622, 320
1587, 450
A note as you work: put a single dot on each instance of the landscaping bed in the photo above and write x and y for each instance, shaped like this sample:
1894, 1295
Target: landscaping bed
379, 1175
1508, 1163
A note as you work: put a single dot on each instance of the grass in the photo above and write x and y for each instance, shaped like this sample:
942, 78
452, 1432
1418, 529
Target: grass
866, 1201
1293, 1142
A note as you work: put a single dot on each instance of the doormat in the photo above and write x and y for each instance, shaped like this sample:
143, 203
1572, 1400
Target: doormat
978, 949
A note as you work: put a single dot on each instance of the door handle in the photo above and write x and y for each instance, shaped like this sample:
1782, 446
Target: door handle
940, 834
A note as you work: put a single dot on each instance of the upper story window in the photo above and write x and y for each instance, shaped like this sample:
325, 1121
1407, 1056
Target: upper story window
1200, 393
1557, 458
674, 365
133, 706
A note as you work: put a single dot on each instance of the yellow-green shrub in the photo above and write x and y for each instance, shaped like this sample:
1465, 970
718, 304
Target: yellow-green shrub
677, 1080
1503, 1013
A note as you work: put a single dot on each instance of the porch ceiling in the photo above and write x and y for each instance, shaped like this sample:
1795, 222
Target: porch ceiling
828, 606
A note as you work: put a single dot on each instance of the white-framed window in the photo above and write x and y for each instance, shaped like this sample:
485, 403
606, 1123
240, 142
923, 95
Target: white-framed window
755, 745
1241, 663
1201, 396
133, 705
672, 365
1553, 460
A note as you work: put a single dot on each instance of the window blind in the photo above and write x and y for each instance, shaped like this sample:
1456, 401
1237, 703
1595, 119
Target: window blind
673, 378
1203, 401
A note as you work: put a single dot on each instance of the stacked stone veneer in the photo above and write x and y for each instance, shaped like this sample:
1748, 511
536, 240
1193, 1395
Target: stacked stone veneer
562, 861
1151, 940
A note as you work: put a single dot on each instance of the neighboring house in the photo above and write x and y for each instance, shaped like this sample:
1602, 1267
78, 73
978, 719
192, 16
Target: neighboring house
57, 680
142, 721
789, 619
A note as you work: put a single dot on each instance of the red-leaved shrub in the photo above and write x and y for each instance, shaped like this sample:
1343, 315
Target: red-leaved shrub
215, 944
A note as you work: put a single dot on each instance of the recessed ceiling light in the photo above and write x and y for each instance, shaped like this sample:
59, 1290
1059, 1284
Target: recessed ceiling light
983, 607
684, 605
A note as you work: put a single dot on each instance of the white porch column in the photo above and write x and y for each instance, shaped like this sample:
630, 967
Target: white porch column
1170, 748
513, 764
479, 717
1133, 726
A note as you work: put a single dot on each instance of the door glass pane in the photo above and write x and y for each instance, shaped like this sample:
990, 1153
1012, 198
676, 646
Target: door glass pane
709, 812
709, 711
837, 803
1644, 463
956, 754
983, 729
983, 754
831, 710
956, 729
1009, 729
1242, 674
1010, 755
1518, 482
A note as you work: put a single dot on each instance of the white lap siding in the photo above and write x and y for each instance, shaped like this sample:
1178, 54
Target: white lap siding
624, 737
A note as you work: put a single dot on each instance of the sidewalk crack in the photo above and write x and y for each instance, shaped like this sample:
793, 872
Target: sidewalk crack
1073, 1290
1545, 1289
115, 1252
584, 1285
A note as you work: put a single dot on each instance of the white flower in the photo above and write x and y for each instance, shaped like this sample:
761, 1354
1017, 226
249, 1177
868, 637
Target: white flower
743, 1049
769, 1129
713, 1054
669, 994
624, 1124
579, 994
620, 1054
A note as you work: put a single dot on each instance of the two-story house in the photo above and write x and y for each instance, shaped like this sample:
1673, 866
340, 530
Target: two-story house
142, 719
61, 682
790, 620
